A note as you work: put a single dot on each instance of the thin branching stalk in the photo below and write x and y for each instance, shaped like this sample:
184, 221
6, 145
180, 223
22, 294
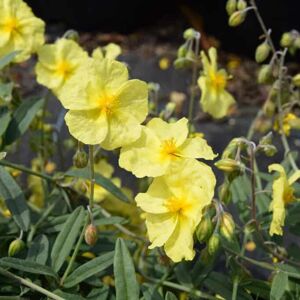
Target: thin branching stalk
92, 176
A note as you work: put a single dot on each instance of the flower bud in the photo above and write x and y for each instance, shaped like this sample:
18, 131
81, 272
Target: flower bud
286, 40
231, 148
297, 42
181, 63
296, 80
15, 247
237, 18
242, 4
269, 107
190, 33
266, 139
213, 243
269, 150
204, 229
80, 159
91, 235
182, 50
225, 193
227, 226
71, 35
265, 74
231, 6
262, 52
228, 165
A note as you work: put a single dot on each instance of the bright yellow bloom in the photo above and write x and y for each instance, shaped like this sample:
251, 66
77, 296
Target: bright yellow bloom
289, 122
160, 146
104, 106
283, 194
173, 206
20, 30
110, 51
215, 100
58, 63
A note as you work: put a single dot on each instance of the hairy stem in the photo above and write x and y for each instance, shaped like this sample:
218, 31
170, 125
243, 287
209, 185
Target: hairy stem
92, 174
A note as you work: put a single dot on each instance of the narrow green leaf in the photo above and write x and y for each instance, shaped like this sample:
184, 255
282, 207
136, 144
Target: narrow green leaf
170, 296
125, 279
99, 294
26, 266
4, 119
66, 238
68, 296
100, 180
89, 269
14, 199
279, 286
21, 119
6, 90
39, 250
7, 59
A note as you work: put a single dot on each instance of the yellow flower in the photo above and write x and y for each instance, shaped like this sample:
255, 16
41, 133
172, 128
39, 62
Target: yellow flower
173, 206
104, 106
160, 146
20, 30
58, 63
215, 100
283, 194
110, 51
289, 122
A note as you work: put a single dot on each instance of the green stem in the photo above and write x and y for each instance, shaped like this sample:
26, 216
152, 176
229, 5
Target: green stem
194, 81
74, 255
92, 174
235, 288
26, 170
29, 284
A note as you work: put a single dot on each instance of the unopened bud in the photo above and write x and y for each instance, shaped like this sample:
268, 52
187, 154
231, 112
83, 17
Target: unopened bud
228, 165
91, 235
225, 193
266, 139
296, 80
213, 244
297, 42
231, 6
181, 63
204, 229
182, 50
15, 247
230, 150
227, 226
71, 35
286, 40
242, 4
265, 74
269, 107
262, 52
190, 33
237, 18
80, 159
269, 150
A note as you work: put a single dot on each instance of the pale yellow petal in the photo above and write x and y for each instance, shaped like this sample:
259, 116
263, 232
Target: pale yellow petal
151, 204
180, 244
89, 127
294, 177
196, 147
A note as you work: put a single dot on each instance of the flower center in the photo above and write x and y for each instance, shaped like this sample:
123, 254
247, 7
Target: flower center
288, 196
11, 25
168, 149
107, 104
177, 205
64, 69
218, 81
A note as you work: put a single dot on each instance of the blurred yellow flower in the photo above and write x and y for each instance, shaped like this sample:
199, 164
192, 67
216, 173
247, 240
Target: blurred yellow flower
164, 63
110, 51
173, 206
289, 122
215, 100
105, 107
58, 63
160, 146
3, 209
283, 194
20, 30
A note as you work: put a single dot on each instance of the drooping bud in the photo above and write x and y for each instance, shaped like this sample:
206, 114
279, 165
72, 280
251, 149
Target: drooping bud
213, 244
231, 148
237, 18
296, 80
265, 74
15, 247
204, 229
242, 4
225, 193
269, 107
190, 33
266, 145
231, 6
91, 235
228, 165
227, 226
80, 159
262, 52
71, 35
286, 40
182, 50
181, 63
